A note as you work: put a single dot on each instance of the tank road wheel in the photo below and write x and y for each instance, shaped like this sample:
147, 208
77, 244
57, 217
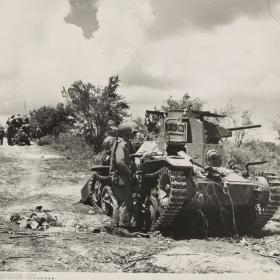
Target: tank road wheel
170, 195
108, 201
152, 212
264, 214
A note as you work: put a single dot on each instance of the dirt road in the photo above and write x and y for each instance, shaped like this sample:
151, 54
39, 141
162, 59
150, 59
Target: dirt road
31, 176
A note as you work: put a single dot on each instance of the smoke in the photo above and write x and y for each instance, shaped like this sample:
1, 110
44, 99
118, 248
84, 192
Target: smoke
83, 13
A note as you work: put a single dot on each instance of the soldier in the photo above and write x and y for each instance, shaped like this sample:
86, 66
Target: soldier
121, 169
38, 133
1, 134
56, 131
10, 133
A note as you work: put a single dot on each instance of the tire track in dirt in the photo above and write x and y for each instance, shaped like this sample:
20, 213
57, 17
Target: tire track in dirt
21, 177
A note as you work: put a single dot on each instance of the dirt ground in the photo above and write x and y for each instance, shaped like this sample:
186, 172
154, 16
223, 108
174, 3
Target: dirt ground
32, 176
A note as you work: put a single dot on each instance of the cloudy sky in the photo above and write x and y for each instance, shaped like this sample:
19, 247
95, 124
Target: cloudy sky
218, 50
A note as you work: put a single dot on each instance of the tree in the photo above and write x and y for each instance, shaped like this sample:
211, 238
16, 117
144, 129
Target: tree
48, 117
185, 102
99, 107
276, 124
235, 117
140, 123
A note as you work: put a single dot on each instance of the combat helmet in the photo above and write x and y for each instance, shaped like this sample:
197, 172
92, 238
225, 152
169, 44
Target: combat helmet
126, 130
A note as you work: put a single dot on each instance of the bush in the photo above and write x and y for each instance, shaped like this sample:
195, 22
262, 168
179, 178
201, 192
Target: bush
78, 156
256, 150
48, 117
44, 141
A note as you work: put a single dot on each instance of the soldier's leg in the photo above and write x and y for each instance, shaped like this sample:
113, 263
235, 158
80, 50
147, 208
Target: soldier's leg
126, 208
118, 193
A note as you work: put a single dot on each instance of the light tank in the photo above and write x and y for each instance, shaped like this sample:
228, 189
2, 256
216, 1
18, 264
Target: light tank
181, 174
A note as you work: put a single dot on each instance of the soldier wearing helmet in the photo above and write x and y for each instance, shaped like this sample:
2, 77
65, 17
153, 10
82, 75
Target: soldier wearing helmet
121, 170
2, 132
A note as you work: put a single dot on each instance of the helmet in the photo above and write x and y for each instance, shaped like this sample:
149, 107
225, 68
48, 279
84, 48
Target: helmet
126, 129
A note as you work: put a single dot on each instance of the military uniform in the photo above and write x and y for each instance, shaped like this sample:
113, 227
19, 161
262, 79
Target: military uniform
38, 133
10, 134
1, 135
122, 188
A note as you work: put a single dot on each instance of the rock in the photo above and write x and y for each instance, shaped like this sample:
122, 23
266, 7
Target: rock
257, 248
243, 242
41, 217
15, 217
33, 224
45, 225
32, 217
274, 253
51, 220
23, 223
96, 230
37, 220
38, 208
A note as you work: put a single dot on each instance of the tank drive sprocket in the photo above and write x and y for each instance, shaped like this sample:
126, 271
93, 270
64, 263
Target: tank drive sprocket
265, 214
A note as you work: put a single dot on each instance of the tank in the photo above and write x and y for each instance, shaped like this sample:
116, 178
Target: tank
181, 178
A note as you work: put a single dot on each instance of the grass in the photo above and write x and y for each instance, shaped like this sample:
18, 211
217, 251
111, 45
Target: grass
77, 154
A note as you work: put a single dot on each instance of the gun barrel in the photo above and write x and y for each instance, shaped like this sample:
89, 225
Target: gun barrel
244, 127
158, 113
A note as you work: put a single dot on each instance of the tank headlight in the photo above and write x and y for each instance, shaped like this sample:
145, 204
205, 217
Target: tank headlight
213, 158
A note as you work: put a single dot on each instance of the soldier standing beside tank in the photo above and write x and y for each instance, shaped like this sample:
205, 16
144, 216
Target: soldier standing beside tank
121, 170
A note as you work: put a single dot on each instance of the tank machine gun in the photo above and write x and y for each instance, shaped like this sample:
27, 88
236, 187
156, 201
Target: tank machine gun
181, 169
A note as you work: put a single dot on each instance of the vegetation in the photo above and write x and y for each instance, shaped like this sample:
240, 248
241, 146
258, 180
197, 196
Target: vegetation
99, 108
255, 150
185, 102
48, 117
77, 154
236, 117
276, 124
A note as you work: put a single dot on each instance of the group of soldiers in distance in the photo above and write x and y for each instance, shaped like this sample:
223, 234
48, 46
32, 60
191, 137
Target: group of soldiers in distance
18, 131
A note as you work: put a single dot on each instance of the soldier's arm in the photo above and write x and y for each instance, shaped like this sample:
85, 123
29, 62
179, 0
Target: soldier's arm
122, 159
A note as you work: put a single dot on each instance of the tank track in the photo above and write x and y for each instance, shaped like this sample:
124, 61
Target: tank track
177, 196
268, 212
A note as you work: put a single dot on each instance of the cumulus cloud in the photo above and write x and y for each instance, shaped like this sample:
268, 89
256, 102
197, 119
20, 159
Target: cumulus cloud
40, 53
139, 73
174, 17
83, 13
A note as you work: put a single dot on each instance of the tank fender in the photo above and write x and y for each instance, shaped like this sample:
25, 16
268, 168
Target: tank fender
86, 190
263, 187
178, 162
